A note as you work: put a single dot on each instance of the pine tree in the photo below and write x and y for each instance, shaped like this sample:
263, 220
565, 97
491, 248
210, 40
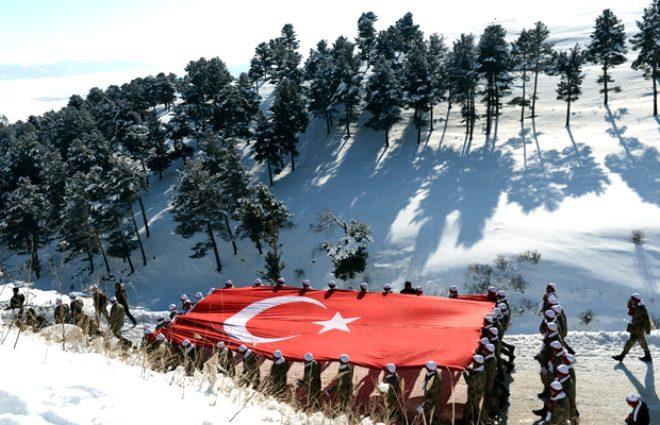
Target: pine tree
234, 108
647, 42
260, 65
383, 98
607, 49
437, 57
319, 69
568, 65
408, 34
289, 117
463, 78
284, 55
417, 84
366, 39
158, 154
541, 56
522, 61
24, 224
348, 79
494, 65
266, 148
198, 207
178, 130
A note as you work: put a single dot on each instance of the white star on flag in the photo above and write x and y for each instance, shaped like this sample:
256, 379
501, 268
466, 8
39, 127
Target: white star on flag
337, 322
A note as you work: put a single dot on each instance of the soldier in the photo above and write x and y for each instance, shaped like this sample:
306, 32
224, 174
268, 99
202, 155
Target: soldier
122, 298
502, 299
307, 285
198, 297
187, 306
432, 387
278, 372
393, 398
558, 405
563, 375
640, 413
344, 386
408, 288
226, 364
211, 290
189, 355
40, 321
183, 298
453, 292
160, 322
257, 283
149, 342
638, 325
76, 306
551, 334
173, 311
311, 380
332, 285
550, 291
279, 283
16, 301
100, 303
61, 312
250, 375
229, 284
476, 383
387, 289
419, 291
491, 293
117, 321
364, 287
490, 375
557, 355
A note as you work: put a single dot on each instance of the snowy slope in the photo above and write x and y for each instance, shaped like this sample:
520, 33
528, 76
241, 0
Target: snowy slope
575, 196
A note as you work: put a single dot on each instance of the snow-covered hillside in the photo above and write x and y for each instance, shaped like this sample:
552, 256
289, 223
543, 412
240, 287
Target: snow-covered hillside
574, 195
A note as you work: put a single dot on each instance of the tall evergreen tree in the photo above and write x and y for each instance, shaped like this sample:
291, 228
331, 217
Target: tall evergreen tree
647, 42
260, 65
158, 155
494, 65
418, 84
266, 148
463, 79
607, 49
383, 98
289, 117
319, 69
408, 34
541, 56
522, 57
366, 39
348, 79
568, 65
285, 59
437, 57
234, 108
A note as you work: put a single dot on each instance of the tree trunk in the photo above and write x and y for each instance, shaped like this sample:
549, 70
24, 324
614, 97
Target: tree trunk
270, 172
218, 264
536, 82
137, 235
130, 264
431, 119
90, 260
568, 113
348, 121
327, 122
418, 122
524, 86
654, 76
144, 216
231, 235
605, 89
34, 260
387, 138
105, 257
293, 161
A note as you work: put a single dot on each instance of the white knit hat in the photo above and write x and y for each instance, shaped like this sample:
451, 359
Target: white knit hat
387, 287
112, 300
220, 345
258, 282
549, 314
431, 365
478, 358
632, 398
636, 296
332, 284
242, 348
58, 301
556, 345
172, 307
492, 290
277, 354
364, 285
308, 357
390, 367
148, 330
562, 369
490, 348
307, 283
453, 288
344, 358
556, 385
497, 312
185, 342
570, 358
183, 297
211, 290
494, 331
281, 281
501, 294
228, 282
420, 289
552, 286
198, 295
160, 318
484, 341
160, 337
502, 307
556, 309
552, 326
553, 300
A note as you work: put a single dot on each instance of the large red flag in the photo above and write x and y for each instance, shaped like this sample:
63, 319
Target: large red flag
373, 328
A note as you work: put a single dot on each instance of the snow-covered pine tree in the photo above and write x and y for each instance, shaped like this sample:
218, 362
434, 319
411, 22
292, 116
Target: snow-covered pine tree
568, 66
366, 38
417, 84
541, 56
198, 207
437, 57
164, 90
607, 49
319, 70
383, 98
494, 65
647, 42
522, 59
349, 254
158, 154
285, 59
463, 79
178, 130
24, 223
386, 44
289, 117
408, 34
260, 65
266, 148
234, 108
348, 79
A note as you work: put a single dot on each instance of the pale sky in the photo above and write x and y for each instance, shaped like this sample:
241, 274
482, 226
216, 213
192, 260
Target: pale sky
168, 33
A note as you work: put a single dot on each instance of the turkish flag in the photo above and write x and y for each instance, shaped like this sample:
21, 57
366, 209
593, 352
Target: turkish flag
374, 329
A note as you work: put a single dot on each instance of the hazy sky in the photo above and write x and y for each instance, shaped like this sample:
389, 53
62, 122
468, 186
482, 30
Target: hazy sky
168, 33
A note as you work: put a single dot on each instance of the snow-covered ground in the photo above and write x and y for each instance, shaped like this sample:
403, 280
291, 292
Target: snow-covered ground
575, 195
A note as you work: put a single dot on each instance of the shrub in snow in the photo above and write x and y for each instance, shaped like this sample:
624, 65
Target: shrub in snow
586, 317
532, 256
638, 237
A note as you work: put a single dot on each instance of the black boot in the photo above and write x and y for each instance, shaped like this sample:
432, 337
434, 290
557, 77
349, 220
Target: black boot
540, 412
647, 357
619, 358
542, 395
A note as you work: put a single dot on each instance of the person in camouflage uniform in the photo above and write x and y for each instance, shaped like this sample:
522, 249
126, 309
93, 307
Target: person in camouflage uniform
344, 386
117, 321
558, 405
430, 407
189, 357
639, 324
100, 303
640, 411
393, 398
475, 378
563, 375
312, 380
226, 364
122, 298
250, 376
16, 302
278, 372
61, 312
490, 375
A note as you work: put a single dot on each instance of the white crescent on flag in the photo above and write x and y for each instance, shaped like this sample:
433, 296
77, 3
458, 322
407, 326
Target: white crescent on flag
236, 325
